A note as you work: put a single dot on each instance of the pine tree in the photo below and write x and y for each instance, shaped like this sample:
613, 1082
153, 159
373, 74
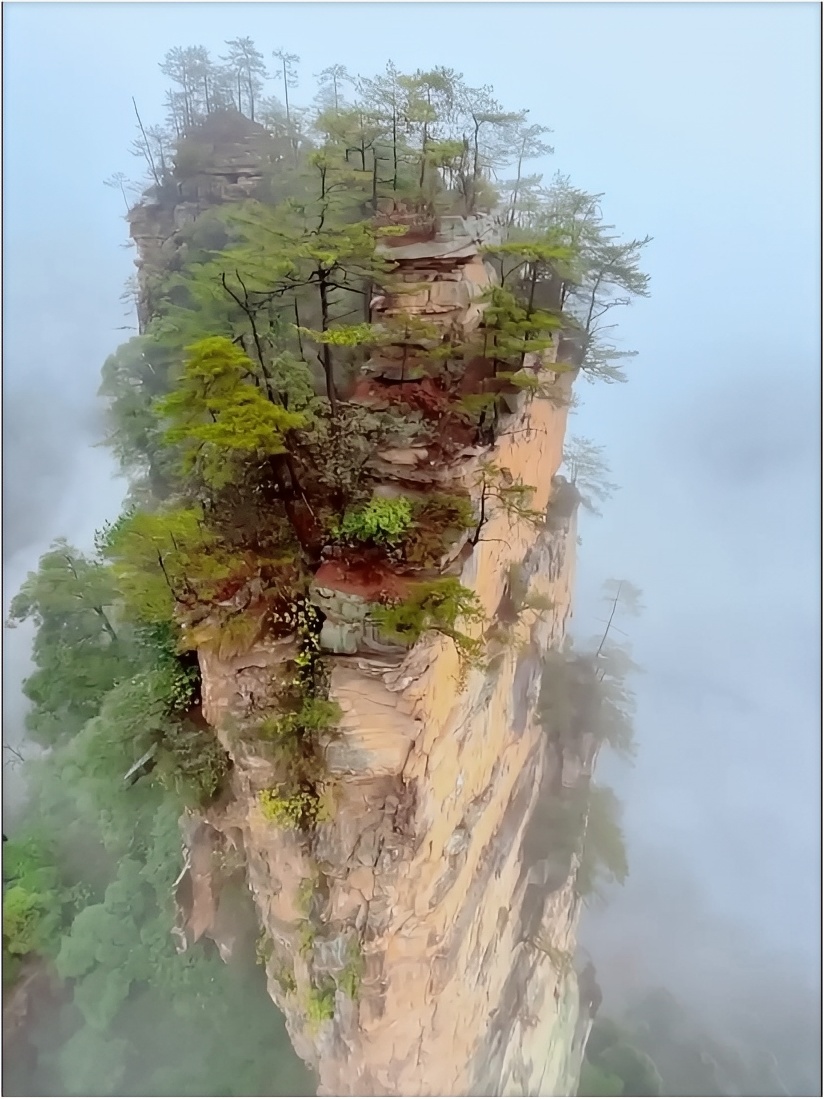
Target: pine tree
220, 416
246, 63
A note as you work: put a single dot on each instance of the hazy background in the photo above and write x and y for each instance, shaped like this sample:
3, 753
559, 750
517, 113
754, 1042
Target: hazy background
700, 123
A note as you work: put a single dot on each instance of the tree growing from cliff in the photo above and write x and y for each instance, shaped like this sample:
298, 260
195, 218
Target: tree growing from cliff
614, 1065
510, 331
201, 86
248, 67
132, 379
620, 596
287, 67
430, 98
499, 489
584, 696
153, 145
319, 251
602, 273
182, 66
119, 181
603, 856
587, 469
384, 98
220, 416
331, 82
528, 144
163, 558
485, 131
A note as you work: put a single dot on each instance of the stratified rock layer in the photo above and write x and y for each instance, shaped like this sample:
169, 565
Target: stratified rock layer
422, 883
420, 942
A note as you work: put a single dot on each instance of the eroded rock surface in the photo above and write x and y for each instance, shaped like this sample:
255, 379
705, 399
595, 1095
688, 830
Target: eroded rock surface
419, 942
423, 881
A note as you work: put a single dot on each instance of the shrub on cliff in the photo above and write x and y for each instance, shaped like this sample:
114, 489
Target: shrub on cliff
595, 1081
301, 808
383, 522
312, 716
438, 605
415, 531
438, 519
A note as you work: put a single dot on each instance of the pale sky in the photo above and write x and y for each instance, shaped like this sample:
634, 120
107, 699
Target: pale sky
700, 123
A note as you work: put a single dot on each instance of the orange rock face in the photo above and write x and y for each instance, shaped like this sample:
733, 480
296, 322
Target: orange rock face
421, 884
416, 941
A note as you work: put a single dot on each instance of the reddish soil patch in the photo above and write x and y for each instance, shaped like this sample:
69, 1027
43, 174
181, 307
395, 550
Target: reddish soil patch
230, 587
426, 395
373, 581
436, 403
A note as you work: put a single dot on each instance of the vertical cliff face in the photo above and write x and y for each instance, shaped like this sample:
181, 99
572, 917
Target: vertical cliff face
419, 940
422, 891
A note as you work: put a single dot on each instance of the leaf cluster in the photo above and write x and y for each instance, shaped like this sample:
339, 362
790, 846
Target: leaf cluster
438, 605
384, 521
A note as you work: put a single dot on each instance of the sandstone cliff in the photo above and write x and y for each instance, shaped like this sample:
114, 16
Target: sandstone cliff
420, 940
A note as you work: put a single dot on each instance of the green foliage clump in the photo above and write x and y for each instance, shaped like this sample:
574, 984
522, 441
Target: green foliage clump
34, 900
314, 715
263, 949
306, 894
307, 938
179, 677
302, 808
285, 977
512, 330
320, 1005
383, 522
604, 854
581, 695
226, 634
349, 979
438, 520
595, 1081
417, 531
133, 378
219, 416
343, 335
437, 605
80, 651
192, 763
24, 915
615, 1066
163, 558
300, 800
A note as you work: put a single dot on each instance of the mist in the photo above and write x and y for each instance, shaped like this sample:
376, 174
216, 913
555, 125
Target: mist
700, 123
